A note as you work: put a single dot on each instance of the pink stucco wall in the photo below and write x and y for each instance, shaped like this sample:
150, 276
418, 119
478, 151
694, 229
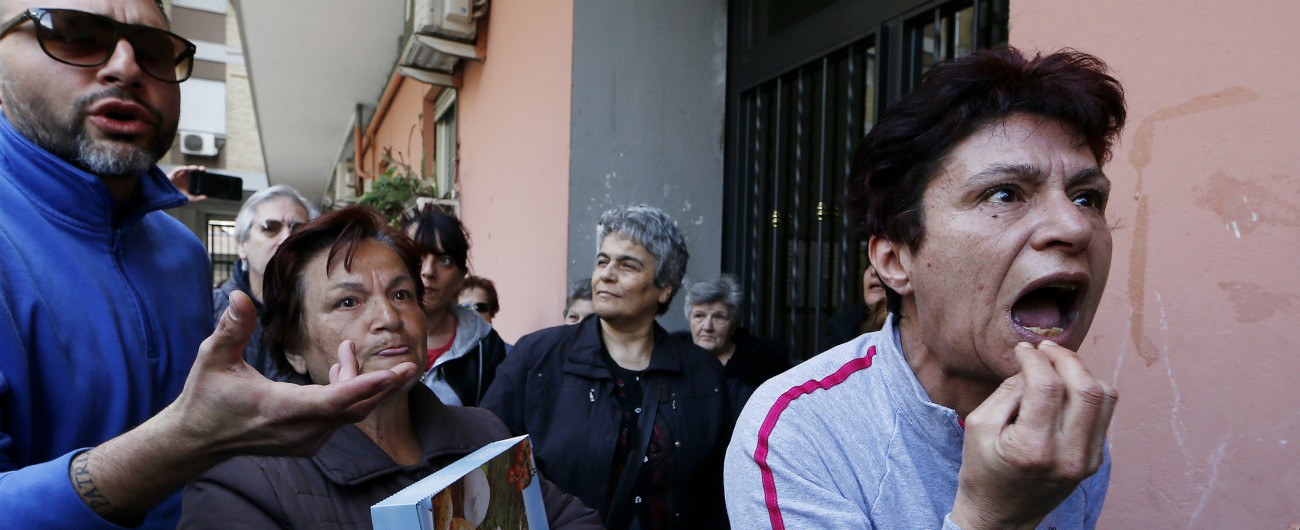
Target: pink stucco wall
1205, 280
514, 159
399, 128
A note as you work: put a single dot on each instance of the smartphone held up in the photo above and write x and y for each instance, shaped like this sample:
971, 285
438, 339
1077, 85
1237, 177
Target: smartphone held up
216, 185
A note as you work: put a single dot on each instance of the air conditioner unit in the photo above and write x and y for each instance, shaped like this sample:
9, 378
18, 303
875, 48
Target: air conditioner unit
454, 20
457, 12
199, 144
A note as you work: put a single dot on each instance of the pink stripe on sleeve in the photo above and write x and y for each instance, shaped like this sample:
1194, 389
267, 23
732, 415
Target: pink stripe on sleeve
773, 414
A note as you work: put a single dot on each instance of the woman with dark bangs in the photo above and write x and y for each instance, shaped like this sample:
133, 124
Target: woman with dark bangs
464, 350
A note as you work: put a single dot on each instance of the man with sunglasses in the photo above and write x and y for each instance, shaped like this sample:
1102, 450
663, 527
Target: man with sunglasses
106, 409
264, 221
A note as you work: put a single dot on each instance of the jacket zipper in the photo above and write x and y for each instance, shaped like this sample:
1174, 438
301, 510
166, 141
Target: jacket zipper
151, 346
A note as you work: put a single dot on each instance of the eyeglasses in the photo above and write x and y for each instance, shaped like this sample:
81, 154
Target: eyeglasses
272, 227
86, 39
478, 307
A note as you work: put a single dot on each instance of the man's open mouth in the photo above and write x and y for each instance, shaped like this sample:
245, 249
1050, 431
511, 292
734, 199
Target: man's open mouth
122, 115
1048, 310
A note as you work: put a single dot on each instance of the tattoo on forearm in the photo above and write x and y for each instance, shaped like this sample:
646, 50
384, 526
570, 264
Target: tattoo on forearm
84, 483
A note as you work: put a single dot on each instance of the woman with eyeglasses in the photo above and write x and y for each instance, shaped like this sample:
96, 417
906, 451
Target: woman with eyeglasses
464, 350
265, 220
480, 295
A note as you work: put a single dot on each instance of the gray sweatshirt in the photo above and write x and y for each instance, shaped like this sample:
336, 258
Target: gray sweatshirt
850, 439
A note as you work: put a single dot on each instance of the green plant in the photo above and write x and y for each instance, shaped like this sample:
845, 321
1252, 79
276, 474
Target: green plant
396, 190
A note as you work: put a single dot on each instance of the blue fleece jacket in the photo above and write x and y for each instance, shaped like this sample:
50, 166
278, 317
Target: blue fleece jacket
99, 325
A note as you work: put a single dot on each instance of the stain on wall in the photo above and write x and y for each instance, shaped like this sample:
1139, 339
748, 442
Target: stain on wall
1252, 303
1245, 204
1144, 139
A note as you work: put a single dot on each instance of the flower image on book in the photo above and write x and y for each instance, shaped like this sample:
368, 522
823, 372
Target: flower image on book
493, 488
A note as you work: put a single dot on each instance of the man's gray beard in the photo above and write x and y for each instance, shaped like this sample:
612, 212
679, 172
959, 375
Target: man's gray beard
111, 159
69, 140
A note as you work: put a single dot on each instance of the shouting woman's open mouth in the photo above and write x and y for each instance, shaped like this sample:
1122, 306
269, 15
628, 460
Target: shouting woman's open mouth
1048, 308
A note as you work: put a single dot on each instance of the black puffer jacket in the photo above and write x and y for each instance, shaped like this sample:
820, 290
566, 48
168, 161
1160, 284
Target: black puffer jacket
335, 488
556, 387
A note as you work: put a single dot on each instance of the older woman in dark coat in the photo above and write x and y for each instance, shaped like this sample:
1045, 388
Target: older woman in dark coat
712, 310
343, 297
623, 415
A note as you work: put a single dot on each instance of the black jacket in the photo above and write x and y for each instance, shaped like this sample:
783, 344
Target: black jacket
843, 326
557, 387
755, 361
336, 487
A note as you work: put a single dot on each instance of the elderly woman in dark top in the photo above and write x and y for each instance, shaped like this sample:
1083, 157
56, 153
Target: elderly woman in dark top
343, 297
713, 312
577, 305
621, 414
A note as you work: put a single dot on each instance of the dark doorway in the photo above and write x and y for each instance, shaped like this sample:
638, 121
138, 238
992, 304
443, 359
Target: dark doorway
804, 86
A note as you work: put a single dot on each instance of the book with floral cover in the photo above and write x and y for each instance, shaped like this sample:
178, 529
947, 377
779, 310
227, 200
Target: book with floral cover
492, 488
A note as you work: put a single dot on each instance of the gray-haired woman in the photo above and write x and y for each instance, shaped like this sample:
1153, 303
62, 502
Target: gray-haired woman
622, 414
264, 221
577, 303
712, 310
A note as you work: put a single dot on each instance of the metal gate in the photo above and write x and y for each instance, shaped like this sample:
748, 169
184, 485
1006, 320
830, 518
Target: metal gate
221, 248
790, 142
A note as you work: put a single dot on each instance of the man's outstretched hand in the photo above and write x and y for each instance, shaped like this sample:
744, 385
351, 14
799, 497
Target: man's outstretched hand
1032, 441
239, 411
227, 408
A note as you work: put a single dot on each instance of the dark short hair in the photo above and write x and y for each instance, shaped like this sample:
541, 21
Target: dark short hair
656, 232
488, 287
341, 232
896, 161
433, 227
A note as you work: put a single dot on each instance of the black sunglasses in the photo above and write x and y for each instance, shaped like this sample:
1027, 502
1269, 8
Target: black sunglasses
86, 39
272, 227
478, 307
